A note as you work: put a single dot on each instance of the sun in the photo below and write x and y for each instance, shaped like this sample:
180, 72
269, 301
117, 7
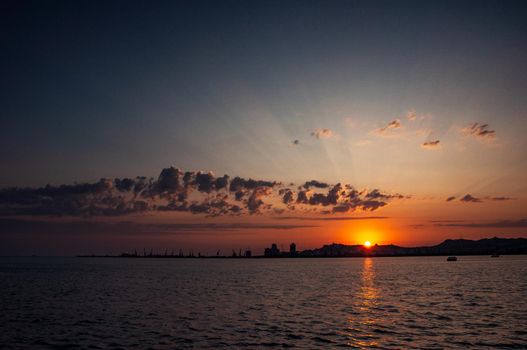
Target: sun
367, 244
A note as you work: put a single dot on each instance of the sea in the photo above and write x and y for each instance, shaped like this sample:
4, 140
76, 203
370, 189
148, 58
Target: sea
477, 302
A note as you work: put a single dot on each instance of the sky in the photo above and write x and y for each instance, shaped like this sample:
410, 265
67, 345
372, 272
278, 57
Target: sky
397, 122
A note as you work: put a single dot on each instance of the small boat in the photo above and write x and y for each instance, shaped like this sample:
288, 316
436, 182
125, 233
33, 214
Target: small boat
451, 258
495, 255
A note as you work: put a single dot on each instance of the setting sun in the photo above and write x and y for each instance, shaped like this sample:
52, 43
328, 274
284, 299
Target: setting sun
367, 244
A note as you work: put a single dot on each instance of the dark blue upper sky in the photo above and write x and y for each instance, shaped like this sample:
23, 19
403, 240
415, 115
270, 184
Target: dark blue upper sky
117, 88
410, 111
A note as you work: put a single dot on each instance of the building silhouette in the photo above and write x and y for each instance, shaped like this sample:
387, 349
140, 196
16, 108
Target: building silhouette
292, 249
273, 251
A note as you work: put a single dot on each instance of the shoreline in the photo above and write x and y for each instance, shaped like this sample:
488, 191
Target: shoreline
287, 257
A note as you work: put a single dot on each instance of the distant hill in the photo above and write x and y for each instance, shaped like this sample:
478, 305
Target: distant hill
483, 246
448, 247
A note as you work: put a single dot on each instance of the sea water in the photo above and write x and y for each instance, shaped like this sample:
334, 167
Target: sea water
390, 303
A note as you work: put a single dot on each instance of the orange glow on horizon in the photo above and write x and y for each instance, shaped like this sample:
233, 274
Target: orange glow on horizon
373, 231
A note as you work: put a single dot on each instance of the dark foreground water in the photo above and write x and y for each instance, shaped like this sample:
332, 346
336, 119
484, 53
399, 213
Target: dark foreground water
396, 303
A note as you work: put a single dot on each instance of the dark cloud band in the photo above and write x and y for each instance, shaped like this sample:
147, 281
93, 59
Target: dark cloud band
191, 192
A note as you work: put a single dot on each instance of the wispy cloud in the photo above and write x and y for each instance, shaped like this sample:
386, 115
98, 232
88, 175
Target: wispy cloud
444, 221
315, 183
501, 198
431, 145
322, 133
389, 129
79, 227
470, 199
479, 131
332, 218
491, 224
411, 115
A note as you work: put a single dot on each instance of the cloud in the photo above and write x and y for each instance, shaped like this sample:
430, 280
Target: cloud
327, 199
389, 128
445, 221
221, 226
322, 133
67, 227
221, 182
188, 192
480, 131
502, 199
368, 205
287, 196
255, 202
470, 199
376, 194
302, 197
493, 224
332, 218
431, 145
411, 115
394, 124
315, 183
239, 183
168, 180
205, 181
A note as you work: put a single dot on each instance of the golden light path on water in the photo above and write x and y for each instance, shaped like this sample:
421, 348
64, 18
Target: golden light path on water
366, 300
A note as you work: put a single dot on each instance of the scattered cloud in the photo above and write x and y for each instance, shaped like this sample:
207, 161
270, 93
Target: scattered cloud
445, 221
322, 133
394, 124
431, 145
469, 198
315, 183
492, 224
389, 129
376, 194
411, 115
502, 198
479, 131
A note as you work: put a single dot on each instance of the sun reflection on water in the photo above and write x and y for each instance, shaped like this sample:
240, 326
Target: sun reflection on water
368, 292
361, 324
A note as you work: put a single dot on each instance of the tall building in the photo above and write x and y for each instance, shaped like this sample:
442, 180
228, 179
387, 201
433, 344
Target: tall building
292, 249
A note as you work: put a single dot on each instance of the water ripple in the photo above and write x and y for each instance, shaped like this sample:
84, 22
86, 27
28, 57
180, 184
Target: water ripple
379, 303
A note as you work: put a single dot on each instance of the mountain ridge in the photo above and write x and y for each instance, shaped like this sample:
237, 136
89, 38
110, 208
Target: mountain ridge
483, 246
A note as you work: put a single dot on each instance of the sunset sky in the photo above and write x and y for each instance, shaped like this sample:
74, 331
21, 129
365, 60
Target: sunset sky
418, 109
